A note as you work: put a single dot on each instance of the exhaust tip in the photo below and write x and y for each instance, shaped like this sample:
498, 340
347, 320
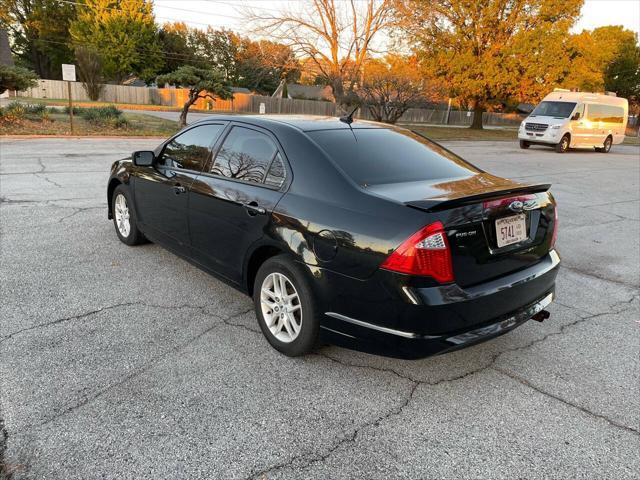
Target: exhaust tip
541, 316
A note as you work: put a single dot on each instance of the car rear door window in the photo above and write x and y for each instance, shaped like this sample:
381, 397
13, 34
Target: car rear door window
277, 172
190, 150
248, 155
380, 155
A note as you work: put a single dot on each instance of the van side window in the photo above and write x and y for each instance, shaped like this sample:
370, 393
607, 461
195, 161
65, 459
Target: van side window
605, 113
580, 110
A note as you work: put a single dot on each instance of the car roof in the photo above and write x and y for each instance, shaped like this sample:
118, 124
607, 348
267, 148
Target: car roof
305, 123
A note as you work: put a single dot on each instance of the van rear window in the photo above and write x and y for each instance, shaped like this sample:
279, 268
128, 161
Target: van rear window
380, 155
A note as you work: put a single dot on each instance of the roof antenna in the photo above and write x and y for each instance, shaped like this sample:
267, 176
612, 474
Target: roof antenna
348, 119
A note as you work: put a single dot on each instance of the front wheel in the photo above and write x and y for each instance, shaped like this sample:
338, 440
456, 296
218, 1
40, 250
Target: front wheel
285, 306
563, 145
524, 144
124, 217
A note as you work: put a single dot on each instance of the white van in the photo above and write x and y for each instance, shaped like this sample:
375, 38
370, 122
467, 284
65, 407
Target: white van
566, 119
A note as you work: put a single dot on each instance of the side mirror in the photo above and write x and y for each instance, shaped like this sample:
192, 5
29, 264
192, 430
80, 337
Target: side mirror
143, 158
576, 116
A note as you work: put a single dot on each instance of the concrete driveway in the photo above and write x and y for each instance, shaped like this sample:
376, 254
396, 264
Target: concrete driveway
119, 362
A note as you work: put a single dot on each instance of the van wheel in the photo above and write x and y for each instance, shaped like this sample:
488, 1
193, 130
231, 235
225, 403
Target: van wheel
524, 144
563, 145
606, 146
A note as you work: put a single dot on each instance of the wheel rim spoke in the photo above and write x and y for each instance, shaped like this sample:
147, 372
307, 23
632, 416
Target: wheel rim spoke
122, 215
281, 307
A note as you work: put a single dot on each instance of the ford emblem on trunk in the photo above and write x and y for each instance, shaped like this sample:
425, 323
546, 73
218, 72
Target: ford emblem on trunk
518, 207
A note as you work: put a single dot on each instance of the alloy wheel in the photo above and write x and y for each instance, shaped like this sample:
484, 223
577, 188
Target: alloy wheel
281, 307
607, 145
122, 215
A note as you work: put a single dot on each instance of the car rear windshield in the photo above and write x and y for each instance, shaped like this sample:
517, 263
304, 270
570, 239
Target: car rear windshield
380, 155
554, 109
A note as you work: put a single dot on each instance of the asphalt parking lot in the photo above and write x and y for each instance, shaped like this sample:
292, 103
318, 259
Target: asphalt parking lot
120, 362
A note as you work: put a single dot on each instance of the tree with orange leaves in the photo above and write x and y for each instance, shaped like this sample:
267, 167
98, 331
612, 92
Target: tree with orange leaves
487, 51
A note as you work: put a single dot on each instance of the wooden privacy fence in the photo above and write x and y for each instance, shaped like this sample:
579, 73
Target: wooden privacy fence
247, 103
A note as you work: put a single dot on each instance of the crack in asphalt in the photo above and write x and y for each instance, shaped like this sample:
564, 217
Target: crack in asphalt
5, 474
598, 276
67, 319
351, 438
527, 383
48, 180
149, 364
227, 321
41, 165
10, 201
76, 211
111, 307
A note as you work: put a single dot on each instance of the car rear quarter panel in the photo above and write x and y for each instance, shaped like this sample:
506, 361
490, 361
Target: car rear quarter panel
328, 221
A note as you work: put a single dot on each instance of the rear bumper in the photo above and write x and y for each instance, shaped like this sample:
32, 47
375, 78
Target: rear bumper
392, 317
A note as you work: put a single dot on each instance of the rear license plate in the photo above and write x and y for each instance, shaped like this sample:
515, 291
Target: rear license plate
510, 230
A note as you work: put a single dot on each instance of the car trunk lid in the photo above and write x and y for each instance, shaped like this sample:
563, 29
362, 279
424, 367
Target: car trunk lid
494, 226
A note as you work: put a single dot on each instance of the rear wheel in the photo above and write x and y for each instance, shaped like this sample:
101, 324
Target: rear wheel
285, 306
606, 146
124, 217
563, 145
524, 144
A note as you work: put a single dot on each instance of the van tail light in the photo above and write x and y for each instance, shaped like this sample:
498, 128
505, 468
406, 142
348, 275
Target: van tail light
554, 237
425, 253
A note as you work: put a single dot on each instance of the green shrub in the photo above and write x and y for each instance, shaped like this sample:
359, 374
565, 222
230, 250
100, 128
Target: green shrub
35, 109
101, 115
76, 110
16, 109
119, 122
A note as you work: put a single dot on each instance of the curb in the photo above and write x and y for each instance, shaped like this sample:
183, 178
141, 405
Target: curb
76, 137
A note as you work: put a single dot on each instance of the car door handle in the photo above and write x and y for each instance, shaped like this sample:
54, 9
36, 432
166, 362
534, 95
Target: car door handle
254, 209
178, 189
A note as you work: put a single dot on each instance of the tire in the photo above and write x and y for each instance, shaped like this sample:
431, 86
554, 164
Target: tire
524, 144
563, 145
606, 147
278, 325
124, 217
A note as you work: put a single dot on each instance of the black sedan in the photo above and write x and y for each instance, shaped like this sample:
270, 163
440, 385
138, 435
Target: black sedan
358, 234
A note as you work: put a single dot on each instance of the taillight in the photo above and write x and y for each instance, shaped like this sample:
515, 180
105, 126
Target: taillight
554, 237
425, 253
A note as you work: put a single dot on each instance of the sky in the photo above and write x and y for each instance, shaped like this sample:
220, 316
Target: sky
226, 13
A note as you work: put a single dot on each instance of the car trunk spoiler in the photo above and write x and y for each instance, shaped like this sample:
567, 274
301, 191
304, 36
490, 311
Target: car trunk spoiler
444, 203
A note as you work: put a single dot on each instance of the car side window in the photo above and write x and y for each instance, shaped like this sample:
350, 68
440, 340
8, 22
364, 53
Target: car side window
247, 155
580, 110
190, 150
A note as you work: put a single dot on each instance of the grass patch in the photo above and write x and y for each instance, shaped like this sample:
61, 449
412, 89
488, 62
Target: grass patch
103, 121
465, 133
